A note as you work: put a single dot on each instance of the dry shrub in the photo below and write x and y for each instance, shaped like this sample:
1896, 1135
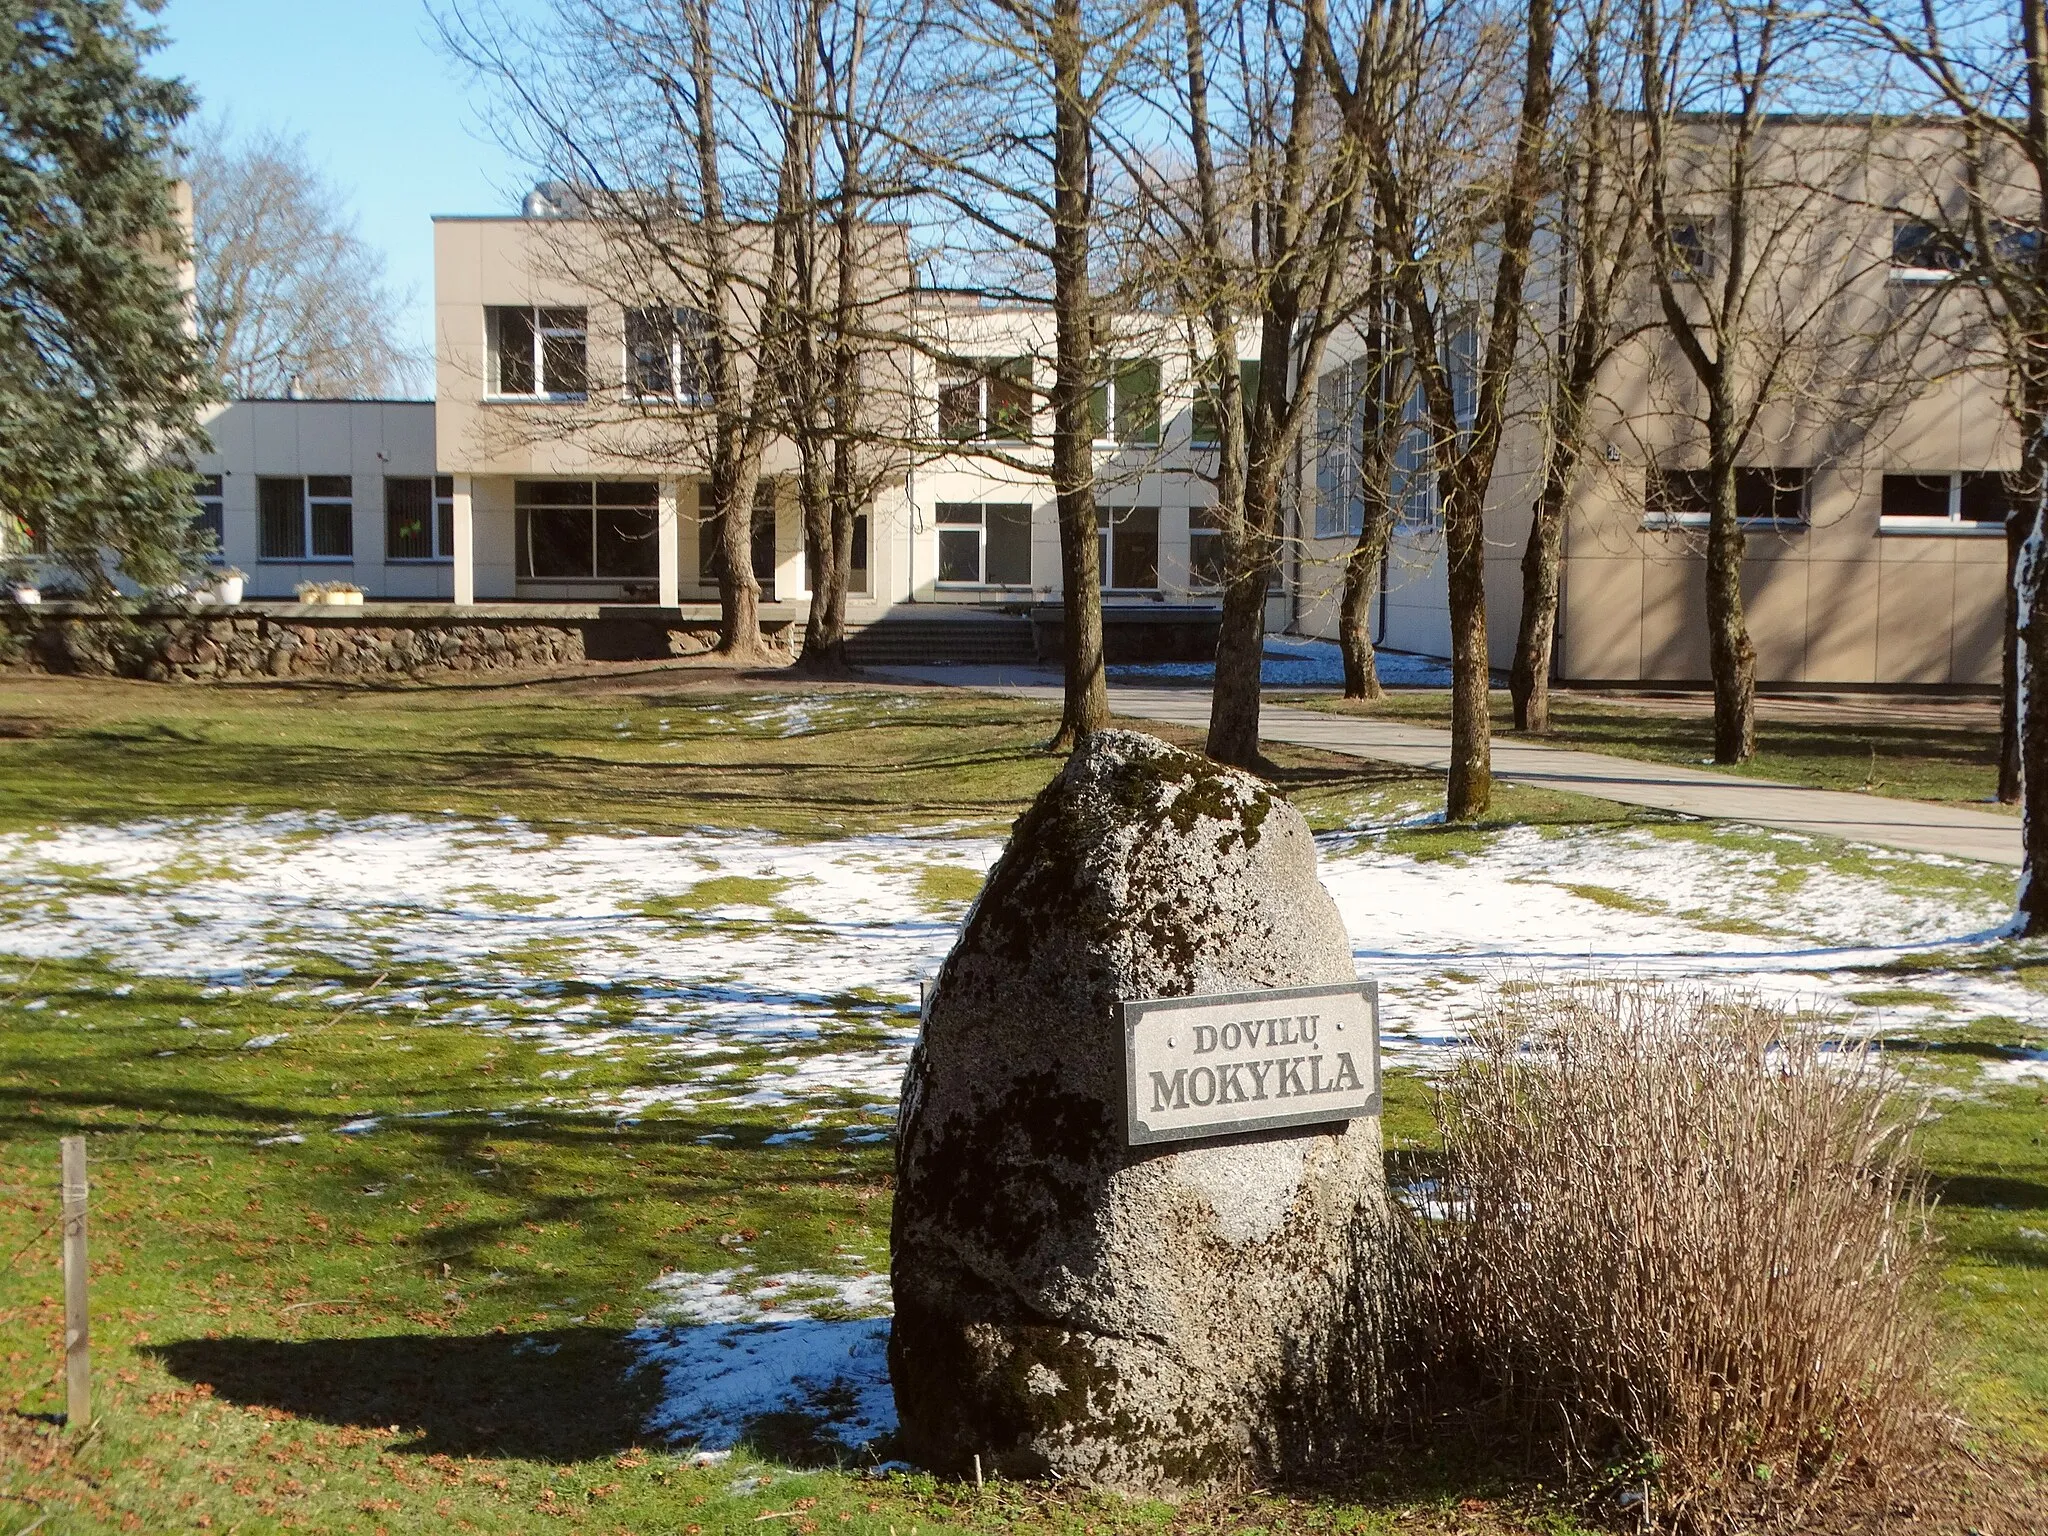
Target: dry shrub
1683, 1240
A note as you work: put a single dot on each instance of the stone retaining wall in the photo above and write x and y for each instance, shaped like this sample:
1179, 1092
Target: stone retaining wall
294, 640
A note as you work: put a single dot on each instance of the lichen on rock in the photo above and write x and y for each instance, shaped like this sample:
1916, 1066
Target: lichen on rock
1153, 1318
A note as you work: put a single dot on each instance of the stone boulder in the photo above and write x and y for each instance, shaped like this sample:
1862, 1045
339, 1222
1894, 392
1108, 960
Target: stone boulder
1156, 1318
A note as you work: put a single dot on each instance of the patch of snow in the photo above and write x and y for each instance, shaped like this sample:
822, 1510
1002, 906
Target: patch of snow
749, 1349
263, 1042
1297, 661
362, 1127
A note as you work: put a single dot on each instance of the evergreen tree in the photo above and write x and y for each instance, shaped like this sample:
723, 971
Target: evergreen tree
100, 378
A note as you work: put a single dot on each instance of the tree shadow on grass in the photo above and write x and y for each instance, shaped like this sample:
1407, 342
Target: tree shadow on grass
558, 1396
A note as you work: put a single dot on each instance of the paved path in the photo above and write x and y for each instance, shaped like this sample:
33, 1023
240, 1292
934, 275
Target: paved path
1913, 825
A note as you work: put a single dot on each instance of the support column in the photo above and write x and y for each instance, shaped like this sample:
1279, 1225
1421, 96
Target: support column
668, 543
464, 552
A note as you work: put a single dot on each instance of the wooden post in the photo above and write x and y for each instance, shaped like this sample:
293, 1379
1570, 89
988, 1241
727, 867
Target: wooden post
77, 1323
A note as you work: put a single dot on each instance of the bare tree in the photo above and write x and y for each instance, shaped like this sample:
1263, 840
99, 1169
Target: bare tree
1980, 71
1368, 438
1441, 226
1754, 278
291, 299
1012, 191
1597, 246
689, 139
1260, 230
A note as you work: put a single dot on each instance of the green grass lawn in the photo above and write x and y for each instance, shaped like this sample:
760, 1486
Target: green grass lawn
1953, 763
424, 1328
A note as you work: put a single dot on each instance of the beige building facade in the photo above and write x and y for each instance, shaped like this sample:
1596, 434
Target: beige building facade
1875, 556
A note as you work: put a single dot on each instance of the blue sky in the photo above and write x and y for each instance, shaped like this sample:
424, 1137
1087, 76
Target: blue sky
385, 115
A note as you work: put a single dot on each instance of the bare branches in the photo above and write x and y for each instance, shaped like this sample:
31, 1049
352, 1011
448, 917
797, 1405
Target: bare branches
290, 298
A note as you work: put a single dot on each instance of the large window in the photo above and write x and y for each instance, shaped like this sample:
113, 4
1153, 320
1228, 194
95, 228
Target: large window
761, 550
1125, 407
1968, 501
309, 519
419, 518
210, 521
668, 355
986, 401
984, 544
584, 530
1683, 497
1130, 548
539, 353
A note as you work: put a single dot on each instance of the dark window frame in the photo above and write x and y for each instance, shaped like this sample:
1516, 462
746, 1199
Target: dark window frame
1113, 564
567, 513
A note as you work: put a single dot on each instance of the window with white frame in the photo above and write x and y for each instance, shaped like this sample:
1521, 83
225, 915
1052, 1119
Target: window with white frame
988, 400
1125, 406
1961, 501
210, 521
305, 519
538, 353
668, 355
761, 537
984, 544
1129, 553
1413, 487
419, 517
1683, 498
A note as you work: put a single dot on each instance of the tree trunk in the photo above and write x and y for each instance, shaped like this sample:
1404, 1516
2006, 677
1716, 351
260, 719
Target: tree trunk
2030, 586
1241, 636
1542, 572
1085, 706
824, 650
1468, 790
1362, 576
739, 594
1730, 655
2018, 523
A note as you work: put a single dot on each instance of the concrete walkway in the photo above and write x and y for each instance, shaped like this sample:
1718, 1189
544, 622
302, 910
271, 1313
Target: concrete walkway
1913, 825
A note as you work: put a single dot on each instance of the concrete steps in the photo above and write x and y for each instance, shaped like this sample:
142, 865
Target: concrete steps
987, 640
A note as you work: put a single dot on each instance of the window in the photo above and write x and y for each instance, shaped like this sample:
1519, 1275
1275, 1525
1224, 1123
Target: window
1412, 486
210, 522
1683, 497
538, 353
1965, 502
984, 544
419, 518
1692, 253
1207, 432
583, 530
309, 519
1923, 252
710, 552
988, 400
668, 355
1130, 548
1125, 407
1205, 547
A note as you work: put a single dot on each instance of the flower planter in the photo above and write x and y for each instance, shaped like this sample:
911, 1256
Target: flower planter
227, 591
343, 599
28, 597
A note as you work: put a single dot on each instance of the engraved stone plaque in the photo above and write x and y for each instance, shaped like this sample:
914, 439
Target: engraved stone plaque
1249, 1061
